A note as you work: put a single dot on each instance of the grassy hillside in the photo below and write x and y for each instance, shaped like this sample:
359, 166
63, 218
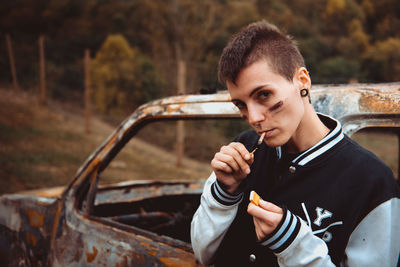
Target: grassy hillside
43, 146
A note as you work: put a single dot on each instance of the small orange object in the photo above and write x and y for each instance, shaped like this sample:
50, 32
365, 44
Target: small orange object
255, 198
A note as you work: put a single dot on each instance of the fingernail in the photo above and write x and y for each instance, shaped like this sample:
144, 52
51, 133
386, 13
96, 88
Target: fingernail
247, 157
247, 170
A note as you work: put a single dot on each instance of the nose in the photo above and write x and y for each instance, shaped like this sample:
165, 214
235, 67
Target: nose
254, 115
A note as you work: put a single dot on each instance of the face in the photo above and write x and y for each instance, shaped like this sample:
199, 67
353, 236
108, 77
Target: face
268, 102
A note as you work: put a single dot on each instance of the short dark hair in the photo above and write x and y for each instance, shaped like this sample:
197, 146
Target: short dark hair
259, 40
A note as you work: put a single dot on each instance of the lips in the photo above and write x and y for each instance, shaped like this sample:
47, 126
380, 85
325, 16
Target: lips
268, 133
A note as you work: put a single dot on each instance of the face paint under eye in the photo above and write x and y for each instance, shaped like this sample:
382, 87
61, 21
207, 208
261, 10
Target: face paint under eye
276, 106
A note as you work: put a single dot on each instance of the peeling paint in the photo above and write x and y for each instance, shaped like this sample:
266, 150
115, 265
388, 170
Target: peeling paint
176, 262
90, 256
31, 239
174, 109
385, 103
35, 218
46, 193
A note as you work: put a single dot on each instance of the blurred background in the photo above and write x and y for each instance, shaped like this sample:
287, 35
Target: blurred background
128, 52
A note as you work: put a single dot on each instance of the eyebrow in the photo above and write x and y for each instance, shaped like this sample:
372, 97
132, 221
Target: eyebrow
256, 89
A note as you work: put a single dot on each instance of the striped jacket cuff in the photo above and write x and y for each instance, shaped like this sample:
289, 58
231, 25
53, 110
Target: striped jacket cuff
284, 234
224, 197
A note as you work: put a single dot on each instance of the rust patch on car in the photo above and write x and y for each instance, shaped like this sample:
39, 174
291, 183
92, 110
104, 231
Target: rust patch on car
385, 103
151, 250
57, 216
77, 255
147, 245
173, 108
35, 218
176, 262
31, 239
46, 192
152, 253
90, 256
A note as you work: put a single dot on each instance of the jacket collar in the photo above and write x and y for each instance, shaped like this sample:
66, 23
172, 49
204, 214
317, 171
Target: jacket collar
326, 144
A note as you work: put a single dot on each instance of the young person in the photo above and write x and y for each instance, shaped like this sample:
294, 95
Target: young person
326, 200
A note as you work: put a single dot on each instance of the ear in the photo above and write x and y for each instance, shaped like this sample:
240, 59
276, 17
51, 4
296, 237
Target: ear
302, 78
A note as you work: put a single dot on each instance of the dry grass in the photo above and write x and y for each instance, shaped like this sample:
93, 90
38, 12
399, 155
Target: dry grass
40, 146
43, 146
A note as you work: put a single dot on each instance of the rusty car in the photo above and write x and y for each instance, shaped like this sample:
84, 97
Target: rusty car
147, 222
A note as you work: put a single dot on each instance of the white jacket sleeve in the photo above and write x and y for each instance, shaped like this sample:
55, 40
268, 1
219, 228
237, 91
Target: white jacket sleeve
294, 244
376, 240
212, 219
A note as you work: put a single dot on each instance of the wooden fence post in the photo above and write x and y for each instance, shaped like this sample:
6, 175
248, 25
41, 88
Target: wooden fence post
87, 90
12, 62
42, 80
180, 127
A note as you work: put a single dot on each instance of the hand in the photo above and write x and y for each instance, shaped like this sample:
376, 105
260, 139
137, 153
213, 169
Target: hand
266, 217
231, 165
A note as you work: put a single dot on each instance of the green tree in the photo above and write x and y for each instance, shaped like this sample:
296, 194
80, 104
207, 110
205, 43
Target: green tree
338, 70
192, 32
355, 43
334, 7
382, 61
123, 78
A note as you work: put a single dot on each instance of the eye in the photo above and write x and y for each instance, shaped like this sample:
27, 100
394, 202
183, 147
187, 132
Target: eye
263, 95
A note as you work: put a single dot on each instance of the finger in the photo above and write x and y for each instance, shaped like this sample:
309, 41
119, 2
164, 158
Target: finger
246, 155
237, 156
242, 150
270, 206
228, 159
258, 201
262, 229
259, 228
217, 165
268, 217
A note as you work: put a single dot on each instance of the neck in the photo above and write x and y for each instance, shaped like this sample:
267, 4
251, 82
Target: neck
310, 131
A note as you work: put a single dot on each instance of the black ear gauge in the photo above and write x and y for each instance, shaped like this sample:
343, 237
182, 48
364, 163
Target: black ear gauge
304, 92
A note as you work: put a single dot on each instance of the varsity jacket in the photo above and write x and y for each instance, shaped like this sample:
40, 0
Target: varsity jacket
341, 208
